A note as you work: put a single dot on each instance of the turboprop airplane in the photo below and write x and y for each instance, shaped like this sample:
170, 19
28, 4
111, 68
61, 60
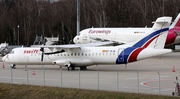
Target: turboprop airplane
125, 35
73, 56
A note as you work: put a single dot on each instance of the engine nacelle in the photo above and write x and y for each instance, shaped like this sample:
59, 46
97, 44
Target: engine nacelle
74, 62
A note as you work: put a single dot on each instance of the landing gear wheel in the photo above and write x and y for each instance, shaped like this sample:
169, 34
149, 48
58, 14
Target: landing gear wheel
12, 66
83, 68
71, 68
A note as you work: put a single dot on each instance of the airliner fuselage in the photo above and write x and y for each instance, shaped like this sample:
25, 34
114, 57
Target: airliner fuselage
121, 35
82, 57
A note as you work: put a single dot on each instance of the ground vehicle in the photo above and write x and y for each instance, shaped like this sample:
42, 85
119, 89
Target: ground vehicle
177, 88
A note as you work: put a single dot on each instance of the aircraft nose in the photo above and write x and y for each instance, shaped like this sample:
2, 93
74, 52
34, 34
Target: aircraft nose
3, 59
75, 40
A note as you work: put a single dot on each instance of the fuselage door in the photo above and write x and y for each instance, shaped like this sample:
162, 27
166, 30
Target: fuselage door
121, 55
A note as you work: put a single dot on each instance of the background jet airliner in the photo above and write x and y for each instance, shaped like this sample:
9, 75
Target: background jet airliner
125, 35
73, 56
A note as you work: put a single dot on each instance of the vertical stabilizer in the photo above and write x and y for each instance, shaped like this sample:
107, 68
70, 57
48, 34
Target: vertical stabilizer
157, 36
176, 22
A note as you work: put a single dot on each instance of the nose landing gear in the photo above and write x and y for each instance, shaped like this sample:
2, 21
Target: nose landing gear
12, 66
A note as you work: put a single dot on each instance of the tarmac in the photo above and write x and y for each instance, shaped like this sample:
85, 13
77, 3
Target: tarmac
155, 75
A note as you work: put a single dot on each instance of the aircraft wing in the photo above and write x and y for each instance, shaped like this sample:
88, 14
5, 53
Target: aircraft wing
96, 44
69, 46
103, 40
98, 39
53, 49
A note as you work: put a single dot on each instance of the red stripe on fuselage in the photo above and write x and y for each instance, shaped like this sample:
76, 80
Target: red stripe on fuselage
133, 56
135, 53
146, 44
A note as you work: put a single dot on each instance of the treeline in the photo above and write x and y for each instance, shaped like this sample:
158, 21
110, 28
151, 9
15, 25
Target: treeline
30, 17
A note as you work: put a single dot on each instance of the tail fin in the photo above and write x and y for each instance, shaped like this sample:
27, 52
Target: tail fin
157, 36
176, 22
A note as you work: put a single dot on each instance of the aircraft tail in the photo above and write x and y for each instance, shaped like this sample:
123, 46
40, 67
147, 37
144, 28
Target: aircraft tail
176, 22
157, 36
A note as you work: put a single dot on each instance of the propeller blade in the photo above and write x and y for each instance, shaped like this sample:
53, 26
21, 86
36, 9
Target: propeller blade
42, 55
55, 52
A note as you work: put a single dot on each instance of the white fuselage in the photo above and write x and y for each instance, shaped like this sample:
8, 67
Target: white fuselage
122, 35
80, 57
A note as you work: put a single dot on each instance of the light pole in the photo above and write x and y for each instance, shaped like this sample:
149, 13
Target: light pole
18, 33
78, 17
14, 42
163, 7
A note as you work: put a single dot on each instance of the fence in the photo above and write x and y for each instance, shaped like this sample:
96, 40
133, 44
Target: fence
150, 82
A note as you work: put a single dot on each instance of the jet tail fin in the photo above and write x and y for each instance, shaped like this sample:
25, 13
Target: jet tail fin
176, 22
157, 36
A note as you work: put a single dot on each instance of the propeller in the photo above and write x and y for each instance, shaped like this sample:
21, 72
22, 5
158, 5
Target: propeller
55, 52
42, 50
42, 55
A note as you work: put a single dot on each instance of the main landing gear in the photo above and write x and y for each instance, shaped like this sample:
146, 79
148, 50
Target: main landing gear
83, 68
73, 68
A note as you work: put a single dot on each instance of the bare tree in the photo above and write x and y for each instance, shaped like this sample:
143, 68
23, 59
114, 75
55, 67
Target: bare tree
59, 18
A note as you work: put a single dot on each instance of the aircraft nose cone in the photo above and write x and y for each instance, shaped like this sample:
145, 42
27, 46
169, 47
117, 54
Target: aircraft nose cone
76, 39
3, 59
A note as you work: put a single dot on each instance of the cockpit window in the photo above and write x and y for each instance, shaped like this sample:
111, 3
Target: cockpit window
12, 52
